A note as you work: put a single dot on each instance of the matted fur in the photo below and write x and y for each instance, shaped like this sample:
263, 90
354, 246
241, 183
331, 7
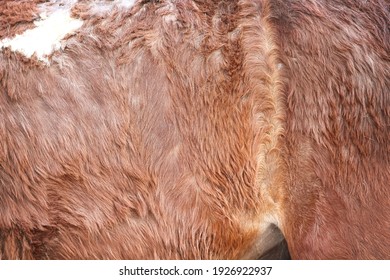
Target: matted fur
192, 129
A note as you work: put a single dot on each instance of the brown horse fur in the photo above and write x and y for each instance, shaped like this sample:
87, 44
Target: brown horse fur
188, 129
17, 16
337, 57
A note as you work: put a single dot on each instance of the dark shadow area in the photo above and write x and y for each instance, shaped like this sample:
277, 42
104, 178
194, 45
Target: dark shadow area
277, 252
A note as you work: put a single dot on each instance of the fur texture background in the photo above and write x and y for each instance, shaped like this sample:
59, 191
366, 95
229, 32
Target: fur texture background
17, 16
337, 57
192, 129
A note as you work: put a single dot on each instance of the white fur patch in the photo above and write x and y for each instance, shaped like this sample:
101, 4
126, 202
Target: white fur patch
101, 7
126, 3
46, 37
